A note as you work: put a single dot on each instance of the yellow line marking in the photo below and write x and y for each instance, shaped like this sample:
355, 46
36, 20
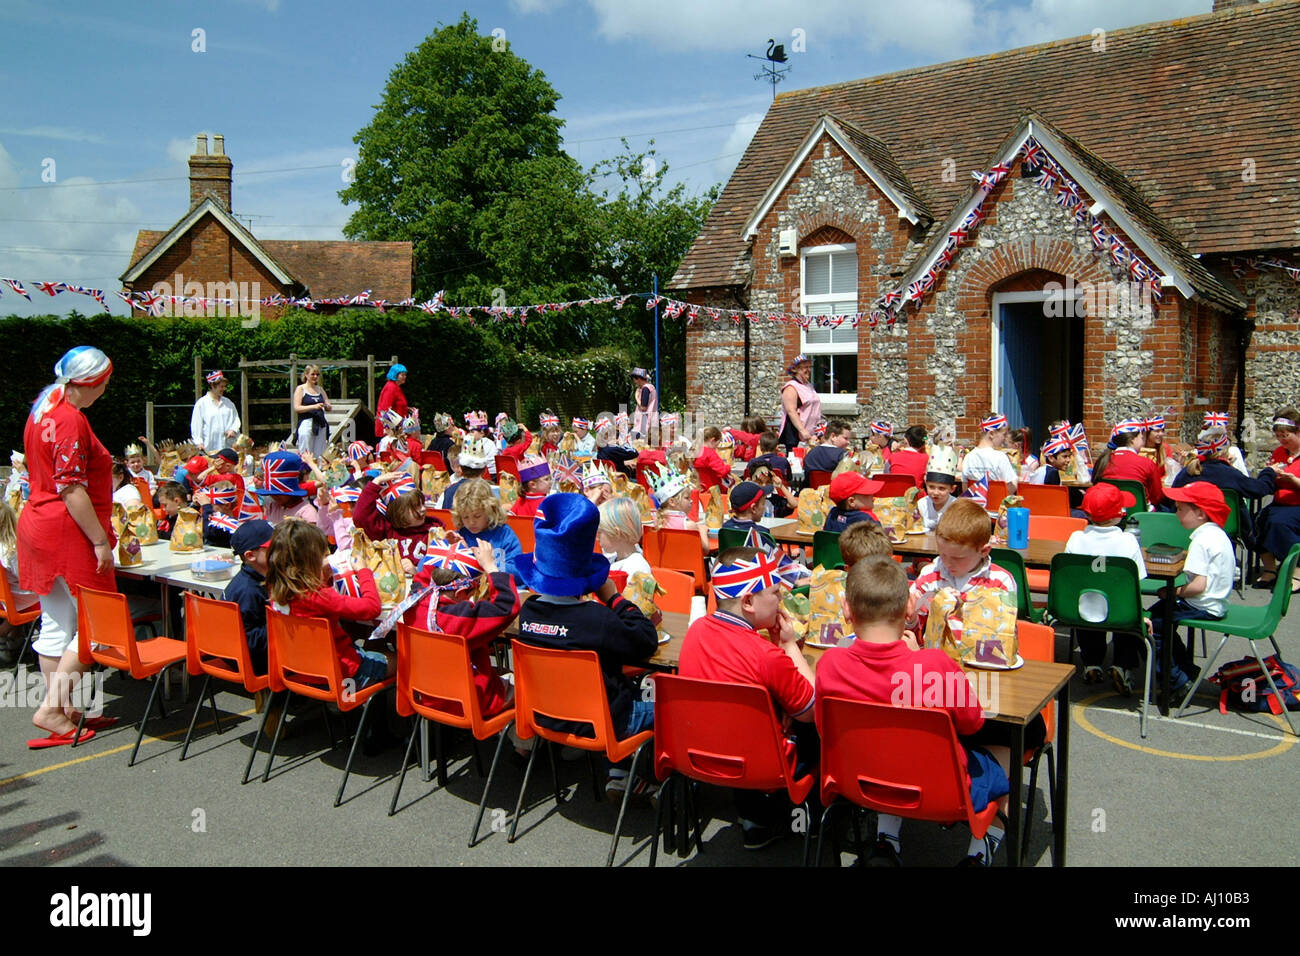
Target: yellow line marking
1079, 712
148, 738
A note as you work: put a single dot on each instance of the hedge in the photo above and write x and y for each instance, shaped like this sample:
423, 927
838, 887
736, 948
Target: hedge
452, 366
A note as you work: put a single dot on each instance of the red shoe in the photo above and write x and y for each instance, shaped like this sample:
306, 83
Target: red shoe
60, 740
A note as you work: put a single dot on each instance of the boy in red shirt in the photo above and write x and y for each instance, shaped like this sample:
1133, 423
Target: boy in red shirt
713, 471
535, 477
729, 645
876, 605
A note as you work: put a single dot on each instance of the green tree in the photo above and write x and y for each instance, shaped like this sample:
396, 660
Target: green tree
463, 158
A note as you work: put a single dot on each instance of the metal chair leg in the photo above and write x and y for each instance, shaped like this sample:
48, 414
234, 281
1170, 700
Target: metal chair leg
519, 803
482, 803
275, 741
627, 792
144, 719
1146, 686
406, 760
555, 773
827, 818
595, 777
665, 810
1051, 793
478, 758
440, 748
1286, 714
257, 740
1196, 683
198, 705
356, 742
1029, 806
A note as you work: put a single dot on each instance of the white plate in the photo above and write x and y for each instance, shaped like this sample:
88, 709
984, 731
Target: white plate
918, 532
819, 644
980, 665
664, 637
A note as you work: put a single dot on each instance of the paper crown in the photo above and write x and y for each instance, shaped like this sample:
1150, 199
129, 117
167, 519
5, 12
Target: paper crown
665, 482
477, 453
411, 424
1054, 446
533, 467
132, 450
390, 418
1210, 443
476, 419
765, 570
670, 418
820, 428
943, 460
442, 421
593, 475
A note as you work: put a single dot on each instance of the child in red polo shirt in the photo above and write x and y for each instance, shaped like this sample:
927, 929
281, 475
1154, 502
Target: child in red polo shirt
1121, 459
729, 645
713, 471
535, 477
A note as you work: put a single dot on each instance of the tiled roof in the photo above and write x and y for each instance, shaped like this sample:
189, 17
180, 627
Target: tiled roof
878, 152
1175, 106
330, 268
145, 240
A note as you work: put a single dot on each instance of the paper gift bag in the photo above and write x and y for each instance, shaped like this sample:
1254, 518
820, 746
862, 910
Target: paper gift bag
641, 590
118, 518
142, 522
1010, 501
912, 499
568, 442
812, 509
168, 462
981, 629
385, 561
716, 513
727, 447
187, 532
870, 460
618, 483
797, 606
849, 461
510, 492
895, 517
128, 549
433, 482
826, 624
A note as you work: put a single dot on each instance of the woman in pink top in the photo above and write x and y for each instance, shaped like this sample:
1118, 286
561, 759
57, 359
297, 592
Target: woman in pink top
801, 408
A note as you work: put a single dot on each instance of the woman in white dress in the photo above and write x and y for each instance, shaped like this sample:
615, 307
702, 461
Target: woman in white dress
311, 402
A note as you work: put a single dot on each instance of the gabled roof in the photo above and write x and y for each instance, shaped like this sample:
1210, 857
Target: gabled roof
231, 224
869, 154
1177, 106
331, 268
1112, 195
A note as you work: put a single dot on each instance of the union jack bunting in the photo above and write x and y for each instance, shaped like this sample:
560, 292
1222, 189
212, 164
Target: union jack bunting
1032, 152
747, 577
17, 287
945, 257
692, 313
1118, 253
359, 299
1048, 178
892, 299
1216, 420
1101, 237
51, 288
974, 217
978, 489
916, 290
958, 235
224, 522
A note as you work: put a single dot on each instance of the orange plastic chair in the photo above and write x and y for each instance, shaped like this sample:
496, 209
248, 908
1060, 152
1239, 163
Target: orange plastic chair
9, 611
435, 682
568, 685
997, 491
678, 549
817, 479
1045, 500
1038, 643
216, 646
895, 485
106, 636
651, 549
723, 734
302, 660
443, 515
1049, 528
680, 588
523, 529
434, 458
146, 496
508, 466
905, 761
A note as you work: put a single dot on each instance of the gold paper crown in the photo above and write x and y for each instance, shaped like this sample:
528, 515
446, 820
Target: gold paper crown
132, 450
665, 482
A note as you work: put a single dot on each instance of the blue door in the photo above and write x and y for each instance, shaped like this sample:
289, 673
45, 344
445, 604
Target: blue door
1020, 366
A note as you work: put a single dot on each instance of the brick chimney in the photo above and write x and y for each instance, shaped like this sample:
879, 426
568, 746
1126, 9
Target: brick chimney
210, 173
1231, 4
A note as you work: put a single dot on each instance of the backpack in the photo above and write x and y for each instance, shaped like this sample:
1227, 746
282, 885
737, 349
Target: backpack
1244, 685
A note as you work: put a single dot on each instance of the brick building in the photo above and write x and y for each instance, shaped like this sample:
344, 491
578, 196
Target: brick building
1179, 136
211, 254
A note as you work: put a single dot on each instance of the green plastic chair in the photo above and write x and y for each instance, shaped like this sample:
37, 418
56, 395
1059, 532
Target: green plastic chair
1013, 562
1161, 527
1255, 624
1134, 488
735, 538
1075, 576
826, 550
1233, 530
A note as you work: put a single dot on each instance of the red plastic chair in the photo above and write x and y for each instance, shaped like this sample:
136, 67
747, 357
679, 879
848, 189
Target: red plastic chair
723, 734
904, 761
1051, 528
19, 619
1038, 643
680, 588
816, 479
509, 466
523, 528
434, 458
895, 485
302, 660
798, 451
435, 682
106, 636
678, 549
569, 686
216, 646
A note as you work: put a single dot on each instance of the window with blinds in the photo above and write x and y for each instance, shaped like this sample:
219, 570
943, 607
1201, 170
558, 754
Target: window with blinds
830, 287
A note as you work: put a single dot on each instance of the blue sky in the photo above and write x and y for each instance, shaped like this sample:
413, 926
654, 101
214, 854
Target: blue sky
108, 98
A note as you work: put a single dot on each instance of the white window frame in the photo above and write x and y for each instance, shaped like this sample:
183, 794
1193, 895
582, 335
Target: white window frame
832, 402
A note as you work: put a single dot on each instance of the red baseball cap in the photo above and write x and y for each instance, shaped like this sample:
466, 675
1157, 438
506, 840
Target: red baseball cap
1106, 502
1207, 497
852, 483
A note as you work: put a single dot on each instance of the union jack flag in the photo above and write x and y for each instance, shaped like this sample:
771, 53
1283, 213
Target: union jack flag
978, 489
564, 468
892, 299
17, 287
359, 299
692, 313
1216, 420
746, 577
347, 583
51, 288
151, 302
250, 507
1101, 237
973, 218
1048, 178
1033, 153
945, 257
1118, 253
453, 558
915, 290
958, 235
224, 522
1076, 437
1136, 268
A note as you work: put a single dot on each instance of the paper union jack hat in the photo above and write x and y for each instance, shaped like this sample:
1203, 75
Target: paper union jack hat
593, 475
993, 422
452, 557
671, 419
345, 495
533, 467
549, 421
227, 523
1155, 423
392, 491
1208, 445
882, 428
280, 473
665, 482
213, 377
224, 495
798, 360
250, 507
1216, 420
582, 423
820, 428
1055, 446
748, 577
1129, 426
978, 489
476, 419
358, 450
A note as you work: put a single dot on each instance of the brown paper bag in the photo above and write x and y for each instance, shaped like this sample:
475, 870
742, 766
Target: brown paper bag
433, 482
143, 523
118, 518
797, 606
982, 629
849, 461
870, 460
568, 442
812, 509
915, 522
385, 561
895, 516
128, 549
727, 447
187, 533
716, 513
826, 624
641, 590
1010, 501
510, 490
168, 462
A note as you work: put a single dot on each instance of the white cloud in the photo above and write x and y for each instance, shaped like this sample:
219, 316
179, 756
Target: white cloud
55, 132
180, 149
535, 6
1040, 21
741, 133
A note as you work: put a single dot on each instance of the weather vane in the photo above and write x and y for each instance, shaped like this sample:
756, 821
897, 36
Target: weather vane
770, 70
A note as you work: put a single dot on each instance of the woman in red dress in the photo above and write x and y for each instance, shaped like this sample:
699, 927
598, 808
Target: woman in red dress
65, 537
391, 396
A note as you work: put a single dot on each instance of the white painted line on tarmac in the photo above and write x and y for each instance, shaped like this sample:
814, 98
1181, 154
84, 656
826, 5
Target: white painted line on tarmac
1191, 723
